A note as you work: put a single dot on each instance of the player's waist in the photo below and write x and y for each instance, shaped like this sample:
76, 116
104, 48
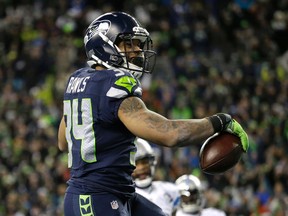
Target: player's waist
101, 181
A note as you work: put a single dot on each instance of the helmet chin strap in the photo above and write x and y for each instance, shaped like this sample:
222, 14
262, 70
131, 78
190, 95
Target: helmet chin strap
194, 207
191, 208
97, 61
144, 183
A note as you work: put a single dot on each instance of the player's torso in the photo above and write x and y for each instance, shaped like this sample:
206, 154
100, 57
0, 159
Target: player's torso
164, 194
101, 148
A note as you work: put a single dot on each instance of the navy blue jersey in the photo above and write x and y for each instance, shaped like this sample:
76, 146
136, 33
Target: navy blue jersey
101, 148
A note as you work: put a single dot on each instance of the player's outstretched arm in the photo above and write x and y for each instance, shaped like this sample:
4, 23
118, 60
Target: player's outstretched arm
153, 127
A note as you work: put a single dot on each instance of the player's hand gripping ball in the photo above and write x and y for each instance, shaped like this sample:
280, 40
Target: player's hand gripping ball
235, 128
220, 153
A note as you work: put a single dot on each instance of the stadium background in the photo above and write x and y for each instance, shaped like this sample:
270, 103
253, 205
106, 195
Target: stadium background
228, 56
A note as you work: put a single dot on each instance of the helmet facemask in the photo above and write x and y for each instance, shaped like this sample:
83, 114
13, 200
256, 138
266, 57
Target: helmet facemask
137, 54
149, 161
190, 188
191, 201
146, 159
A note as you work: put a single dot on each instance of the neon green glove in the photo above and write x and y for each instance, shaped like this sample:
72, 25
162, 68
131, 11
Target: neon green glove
235, 128
224, 122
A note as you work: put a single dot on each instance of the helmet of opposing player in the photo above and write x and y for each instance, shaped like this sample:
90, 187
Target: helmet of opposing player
192, 200
103, 37
145, 158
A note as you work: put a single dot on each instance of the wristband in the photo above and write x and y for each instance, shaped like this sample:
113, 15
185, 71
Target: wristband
219, 121
216, 123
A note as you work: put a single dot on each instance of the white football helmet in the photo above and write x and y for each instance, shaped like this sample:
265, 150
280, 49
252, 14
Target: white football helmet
192, 200
144, 152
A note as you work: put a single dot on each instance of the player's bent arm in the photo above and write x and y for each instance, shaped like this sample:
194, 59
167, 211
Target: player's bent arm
153, 127
62, 142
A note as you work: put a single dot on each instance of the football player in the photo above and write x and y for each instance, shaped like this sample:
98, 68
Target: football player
103, 113
162, 193
192, 199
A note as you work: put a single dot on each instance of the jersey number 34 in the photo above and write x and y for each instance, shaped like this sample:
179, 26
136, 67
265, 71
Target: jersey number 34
79, 126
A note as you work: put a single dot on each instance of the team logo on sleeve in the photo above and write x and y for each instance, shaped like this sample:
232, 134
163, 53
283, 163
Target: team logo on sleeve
126, 82
128, 85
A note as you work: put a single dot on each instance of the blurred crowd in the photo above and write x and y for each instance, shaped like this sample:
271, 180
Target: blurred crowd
213, 56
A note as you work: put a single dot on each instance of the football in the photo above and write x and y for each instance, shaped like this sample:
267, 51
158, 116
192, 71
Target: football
220, 152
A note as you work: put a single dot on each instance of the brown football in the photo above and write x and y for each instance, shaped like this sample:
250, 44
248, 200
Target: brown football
220, 153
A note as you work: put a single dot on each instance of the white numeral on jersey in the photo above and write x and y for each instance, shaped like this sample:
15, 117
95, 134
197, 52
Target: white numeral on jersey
80, 125
119, 72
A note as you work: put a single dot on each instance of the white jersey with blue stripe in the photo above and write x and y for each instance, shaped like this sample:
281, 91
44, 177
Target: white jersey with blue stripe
164, 194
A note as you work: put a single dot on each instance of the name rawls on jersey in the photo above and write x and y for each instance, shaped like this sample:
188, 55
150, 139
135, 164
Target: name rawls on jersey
77, 84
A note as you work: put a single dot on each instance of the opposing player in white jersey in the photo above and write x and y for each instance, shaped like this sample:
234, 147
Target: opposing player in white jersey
162, 193
192, 200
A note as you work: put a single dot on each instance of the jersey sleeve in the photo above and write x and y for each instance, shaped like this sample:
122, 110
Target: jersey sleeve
124, 86
121, 87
